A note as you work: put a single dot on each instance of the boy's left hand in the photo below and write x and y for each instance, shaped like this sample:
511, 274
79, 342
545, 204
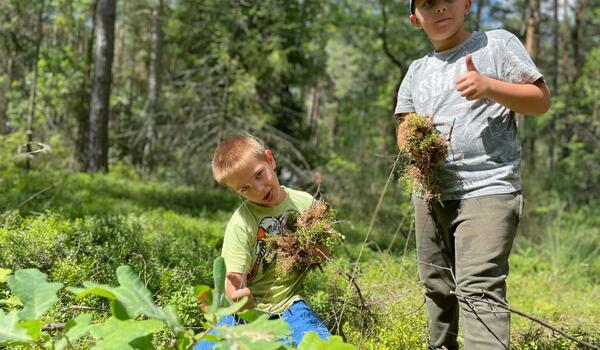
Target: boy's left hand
472, 85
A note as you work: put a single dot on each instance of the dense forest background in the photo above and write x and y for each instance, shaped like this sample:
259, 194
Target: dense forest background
110, 111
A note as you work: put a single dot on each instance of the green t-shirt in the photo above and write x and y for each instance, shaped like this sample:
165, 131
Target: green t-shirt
244, 250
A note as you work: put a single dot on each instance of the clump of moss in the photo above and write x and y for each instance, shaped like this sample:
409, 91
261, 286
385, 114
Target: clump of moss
426, 149
306, 240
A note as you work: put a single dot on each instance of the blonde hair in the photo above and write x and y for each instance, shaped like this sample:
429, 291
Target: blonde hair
232, 151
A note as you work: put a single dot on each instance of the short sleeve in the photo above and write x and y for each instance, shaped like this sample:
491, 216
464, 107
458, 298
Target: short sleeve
237, 248
517, 67
404, 102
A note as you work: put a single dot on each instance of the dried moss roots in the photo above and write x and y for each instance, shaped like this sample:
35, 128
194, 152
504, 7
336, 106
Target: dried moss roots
426, 149
297, 248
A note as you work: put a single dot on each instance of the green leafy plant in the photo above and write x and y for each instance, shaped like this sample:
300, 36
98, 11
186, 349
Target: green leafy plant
135, 317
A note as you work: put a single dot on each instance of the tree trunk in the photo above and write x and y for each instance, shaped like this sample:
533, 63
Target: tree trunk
532, 40
314, 112
33, 91
84, 97
566, 72
575, 39
97, 145
555, 46
331, 122
555, 62
4, 99
154, 85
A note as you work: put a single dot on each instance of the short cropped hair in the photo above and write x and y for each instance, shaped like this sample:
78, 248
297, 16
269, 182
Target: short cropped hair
232, 151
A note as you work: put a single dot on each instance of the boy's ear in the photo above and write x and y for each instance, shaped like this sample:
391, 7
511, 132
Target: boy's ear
468, 7
270, 158
414, 21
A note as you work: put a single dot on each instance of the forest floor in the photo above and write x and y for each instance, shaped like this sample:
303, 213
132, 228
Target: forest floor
43, 206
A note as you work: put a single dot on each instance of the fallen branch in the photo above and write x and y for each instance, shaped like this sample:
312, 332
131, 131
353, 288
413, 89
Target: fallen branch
497, 302
29, 199
501, 304
54, 327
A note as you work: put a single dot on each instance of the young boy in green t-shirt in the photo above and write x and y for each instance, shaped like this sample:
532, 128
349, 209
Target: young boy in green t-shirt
242, 163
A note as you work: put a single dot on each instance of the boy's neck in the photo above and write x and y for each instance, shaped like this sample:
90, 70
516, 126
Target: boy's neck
458, 38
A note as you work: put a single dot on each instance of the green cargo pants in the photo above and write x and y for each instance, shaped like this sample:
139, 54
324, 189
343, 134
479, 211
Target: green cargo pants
472, 238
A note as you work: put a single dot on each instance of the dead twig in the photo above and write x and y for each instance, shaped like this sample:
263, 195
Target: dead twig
29, 199
501, 304
87, 308
371, 224
497, 302
54, 327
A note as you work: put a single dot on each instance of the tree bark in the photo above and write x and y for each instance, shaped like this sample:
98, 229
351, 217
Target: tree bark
33, 91
4, 99
314, 112
556, 45
331, 123
383, 35
565, 69
154, 84
97, 145
575, 39
555, 63
84, 97
532, 41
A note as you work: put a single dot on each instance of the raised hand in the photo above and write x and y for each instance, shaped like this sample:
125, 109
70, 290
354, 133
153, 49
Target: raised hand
472, 85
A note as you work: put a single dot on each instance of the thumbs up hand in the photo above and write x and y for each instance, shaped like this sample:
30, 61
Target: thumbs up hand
472, 85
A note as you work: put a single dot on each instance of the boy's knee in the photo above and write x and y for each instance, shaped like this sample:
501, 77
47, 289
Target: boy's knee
436, 282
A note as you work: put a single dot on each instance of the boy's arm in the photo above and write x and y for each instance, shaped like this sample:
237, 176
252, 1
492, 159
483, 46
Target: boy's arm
235, 288
531, 98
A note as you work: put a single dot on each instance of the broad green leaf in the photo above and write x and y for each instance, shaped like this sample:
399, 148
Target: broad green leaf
134, 296
138, 300
34, 328
74, 329
250, 315
9, 331
117, 334
312, 341
219, 277
204, 295
35, 292
262, 334
118, 310
100, 290
231, 309
212, 315
185, 340
4, 273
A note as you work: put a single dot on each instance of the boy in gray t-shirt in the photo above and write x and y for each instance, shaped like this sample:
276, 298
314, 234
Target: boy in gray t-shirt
472, 84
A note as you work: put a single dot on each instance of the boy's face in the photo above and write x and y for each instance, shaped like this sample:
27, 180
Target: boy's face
257, 181
442, 21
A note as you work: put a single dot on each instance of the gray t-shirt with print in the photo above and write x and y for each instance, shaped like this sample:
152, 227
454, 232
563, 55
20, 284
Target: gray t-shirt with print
484, 152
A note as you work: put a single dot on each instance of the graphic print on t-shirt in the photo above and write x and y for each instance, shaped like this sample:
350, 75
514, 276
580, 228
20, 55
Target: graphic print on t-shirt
270, 225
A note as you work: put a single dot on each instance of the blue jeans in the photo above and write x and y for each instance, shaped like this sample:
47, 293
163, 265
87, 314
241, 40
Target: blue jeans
299, 316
